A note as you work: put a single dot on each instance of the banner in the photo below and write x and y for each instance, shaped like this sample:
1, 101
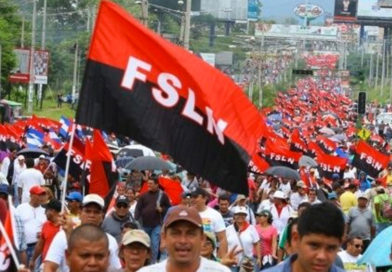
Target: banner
140, 85
21, 72
297, 144
41, 66
345, 10
327, 145
329, 165
373, 9
369, 160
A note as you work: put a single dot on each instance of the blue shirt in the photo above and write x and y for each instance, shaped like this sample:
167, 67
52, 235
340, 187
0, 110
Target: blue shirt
285, 266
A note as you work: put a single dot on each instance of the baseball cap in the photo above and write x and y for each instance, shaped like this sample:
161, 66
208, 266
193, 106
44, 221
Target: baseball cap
74, 196
53, 205
136, 236
363, 195
122, 199
240, 210
301, 184
37, 190
199, 191
42, 156
93, 198
183, 213
21, 157
279, 194
4, 188
264, 213
241, 197
211, 236
332, 195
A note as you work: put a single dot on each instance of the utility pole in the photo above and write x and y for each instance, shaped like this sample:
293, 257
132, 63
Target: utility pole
31, 81
75, 72
22, 35
377, 64
371, 68
40, 86
383, 67
187, 22
145, 12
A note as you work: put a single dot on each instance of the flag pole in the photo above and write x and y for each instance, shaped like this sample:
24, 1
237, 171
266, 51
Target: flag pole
67, 167
9, 244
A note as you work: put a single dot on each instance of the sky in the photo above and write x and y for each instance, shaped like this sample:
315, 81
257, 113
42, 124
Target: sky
278, 10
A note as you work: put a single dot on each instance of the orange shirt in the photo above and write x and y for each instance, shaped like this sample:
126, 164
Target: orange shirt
49, 230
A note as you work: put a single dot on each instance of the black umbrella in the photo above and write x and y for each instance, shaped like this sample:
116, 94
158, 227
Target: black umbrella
32, 152
283, 172
307, 161
148, 163
123, 161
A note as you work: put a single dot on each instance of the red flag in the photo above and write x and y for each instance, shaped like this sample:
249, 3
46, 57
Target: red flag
329, 165
172, 188
6, 263
276, 155
140, 85
297, 144
369, 160
258, 164
103, 176
326, 144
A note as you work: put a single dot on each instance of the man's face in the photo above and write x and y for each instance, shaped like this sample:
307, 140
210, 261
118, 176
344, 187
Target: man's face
183, 241
207, 248
152, 186
91, 214
21, 162
198, 201
122, 209
355, 247
312, 195
223, 205
87, 256
135, 256
73, 204
362, 202
316, 252
301, 191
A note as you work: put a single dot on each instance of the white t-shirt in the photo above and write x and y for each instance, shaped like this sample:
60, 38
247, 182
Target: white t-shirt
56, 252
5, 164
248, 238
32, 219
347, 258
205, 266
28, 178
285, 188
296, 199
212, 220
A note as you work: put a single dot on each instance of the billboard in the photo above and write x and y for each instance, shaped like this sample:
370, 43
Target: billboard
374, 9
345, 10
20, 74
41, 65
296, 31
233, 10
385, 3
253, 10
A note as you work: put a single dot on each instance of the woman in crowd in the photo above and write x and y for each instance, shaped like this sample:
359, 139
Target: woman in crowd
134, 250
268, 237
244, 236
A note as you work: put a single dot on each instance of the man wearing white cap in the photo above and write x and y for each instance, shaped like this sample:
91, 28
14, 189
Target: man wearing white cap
281, 211
360, 221
92, 213
18, 167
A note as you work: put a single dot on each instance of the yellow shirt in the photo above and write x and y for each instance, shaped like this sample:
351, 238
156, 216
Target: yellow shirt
347, 201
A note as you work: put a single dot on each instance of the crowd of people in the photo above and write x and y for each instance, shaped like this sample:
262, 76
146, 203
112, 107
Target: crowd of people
315, 223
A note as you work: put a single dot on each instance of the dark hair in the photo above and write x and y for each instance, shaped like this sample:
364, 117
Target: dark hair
154, 178
290, 226
223, 197
324, 218
129, 225
304, 205
87, 232
351, 238
29, 163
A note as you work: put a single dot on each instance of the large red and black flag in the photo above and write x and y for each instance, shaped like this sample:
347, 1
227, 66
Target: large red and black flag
369, 160
103, 175
327, 145
277, 155
140, 85
329, 165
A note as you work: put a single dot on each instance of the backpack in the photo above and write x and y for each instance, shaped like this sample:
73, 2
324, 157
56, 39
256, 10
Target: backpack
386, 210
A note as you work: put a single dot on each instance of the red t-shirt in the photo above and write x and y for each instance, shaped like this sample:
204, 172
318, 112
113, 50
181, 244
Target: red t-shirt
49, 230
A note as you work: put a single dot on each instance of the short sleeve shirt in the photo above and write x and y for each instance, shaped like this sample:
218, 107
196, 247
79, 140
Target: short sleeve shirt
205, 266
212, 220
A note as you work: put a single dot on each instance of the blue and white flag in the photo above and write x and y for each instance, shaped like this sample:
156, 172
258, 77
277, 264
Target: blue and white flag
34, 138
65, 127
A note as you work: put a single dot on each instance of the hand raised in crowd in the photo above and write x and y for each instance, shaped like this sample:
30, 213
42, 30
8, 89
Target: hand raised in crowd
22, 268
230, 258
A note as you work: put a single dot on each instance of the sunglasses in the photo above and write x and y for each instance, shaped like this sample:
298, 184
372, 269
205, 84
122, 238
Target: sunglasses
122, 206
358, 246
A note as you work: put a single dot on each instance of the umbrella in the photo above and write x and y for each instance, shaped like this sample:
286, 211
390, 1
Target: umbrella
307, 161
339, 138
327, 131
283, 172
275, 117
379, 249
113, 148
148, 163
135, 151
123, 161
32, 152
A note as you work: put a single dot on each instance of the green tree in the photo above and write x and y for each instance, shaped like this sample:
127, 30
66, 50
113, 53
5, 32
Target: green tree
9, 35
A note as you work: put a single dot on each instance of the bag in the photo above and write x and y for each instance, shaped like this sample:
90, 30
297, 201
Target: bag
386, 210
